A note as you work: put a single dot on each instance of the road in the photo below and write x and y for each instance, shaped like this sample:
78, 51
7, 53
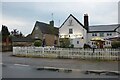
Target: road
18, 67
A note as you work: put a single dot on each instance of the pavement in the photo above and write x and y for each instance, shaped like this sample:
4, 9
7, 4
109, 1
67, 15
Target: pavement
63, 63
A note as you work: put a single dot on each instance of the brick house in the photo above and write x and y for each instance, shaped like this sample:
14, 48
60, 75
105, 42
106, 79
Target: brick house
45, 32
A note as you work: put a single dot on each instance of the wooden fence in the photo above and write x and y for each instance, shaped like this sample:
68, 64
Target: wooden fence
99, 54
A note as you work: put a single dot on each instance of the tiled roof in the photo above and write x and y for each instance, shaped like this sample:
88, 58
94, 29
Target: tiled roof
102, 28
46, 28
21, 39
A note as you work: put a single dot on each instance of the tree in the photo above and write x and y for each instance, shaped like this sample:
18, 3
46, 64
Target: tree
16, 33
5, 33
6, 39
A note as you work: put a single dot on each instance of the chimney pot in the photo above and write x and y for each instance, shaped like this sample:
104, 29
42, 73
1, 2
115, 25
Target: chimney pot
52, 23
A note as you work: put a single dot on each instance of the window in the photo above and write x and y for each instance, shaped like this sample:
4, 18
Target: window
107, 42
70, 31
101, 34
82, 38
92, 43
69, 35
77, 42
94, 34
109, 34
104, 43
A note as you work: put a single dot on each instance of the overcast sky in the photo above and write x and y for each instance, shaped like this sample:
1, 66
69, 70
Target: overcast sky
23, 15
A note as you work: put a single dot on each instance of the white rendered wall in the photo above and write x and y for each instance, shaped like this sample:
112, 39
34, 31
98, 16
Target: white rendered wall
105, 37
77, 30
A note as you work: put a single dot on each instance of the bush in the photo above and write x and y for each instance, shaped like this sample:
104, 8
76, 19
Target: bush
72, 46
64, 42
115, 44
87, 46
108, 47
37, 43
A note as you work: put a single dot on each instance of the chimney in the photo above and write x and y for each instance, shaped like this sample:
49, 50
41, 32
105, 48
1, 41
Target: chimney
86, 22
52, 23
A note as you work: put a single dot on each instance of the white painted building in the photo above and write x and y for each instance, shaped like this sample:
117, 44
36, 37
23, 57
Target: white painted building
103, 32
73, 30
80, 34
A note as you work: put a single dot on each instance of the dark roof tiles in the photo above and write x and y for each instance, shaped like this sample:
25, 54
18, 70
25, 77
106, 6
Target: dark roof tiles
21, 39
46, 28
103, 28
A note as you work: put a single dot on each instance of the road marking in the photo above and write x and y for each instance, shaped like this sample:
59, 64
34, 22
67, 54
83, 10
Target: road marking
20, 65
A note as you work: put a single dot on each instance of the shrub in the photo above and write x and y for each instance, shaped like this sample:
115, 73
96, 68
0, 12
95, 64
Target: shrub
37, 43
72, 46
115, 44
87, 46
108, 47
64, 42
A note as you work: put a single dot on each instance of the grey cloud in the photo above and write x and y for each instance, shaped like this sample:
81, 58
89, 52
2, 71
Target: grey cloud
99, 13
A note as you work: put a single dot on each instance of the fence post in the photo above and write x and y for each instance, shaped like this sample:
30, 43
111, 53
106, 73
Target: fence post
14, 50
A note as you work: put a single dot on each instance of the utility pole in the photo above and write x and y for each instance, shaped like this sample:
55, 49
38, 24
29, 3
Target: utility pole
59, 34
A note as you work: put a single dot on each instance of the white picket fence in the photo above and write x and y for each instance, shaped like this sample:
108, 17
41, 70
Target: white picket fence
99, 54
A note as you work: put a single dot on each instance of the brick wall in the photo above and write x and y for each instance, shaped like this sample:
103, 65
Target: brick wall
50, 39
